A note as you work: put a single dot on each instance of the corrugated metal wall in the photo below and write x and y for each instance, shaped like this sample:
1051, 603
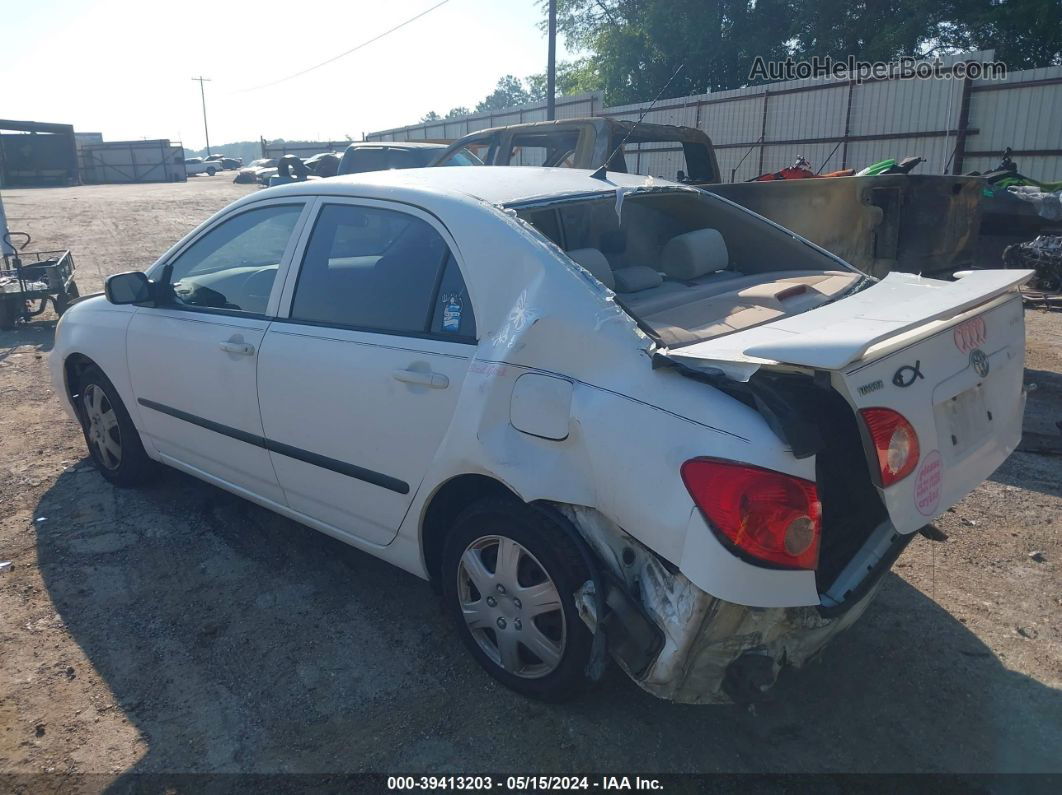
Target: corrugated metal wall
836, 123
132, 161
579, 105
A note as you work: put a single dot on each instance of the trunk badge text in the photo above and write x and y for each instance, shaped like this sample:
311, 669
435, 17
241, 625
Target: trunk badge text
873, 386
908, 374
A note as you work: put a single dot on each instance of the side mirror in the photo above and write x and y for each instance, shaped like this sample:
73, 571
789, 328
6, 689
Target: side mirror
133, 287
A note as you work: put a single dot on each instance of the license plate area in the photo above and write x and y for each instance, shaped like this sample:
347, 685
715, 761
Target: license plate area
963, 422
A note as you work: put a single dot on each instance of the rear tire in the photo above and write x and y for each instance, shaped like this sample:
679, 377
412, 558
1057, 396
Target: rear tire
211, 172
518, 620
8, 313
113, 441
62, 300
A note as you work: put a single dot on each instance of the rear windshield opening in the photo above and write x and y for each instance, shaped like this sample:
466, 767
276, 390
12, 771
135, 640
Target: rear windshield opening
690, 266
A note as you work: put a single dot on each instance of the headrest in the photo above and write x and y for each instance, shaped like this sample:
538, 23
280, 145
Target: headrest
694, 254
636, 278
595, 262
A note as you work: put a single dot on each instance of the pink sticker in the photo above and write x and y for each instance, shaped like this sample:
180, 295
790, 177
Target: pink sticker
970, 334
927, 484
489, 370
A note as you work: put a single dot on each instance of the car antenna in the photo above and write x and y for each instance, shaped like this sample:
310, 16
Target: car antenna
601, 172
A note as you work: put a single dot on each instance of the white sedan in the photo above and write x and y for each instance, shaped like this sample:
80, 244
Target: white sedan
605, 417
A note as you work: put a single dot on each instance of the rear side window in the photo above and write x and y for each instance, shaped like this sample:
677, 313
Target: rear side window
380, 270
358, 159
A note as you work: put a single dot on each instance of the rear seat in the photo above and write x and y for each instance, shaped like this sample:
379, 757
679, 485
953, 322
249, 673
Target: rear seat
697, 294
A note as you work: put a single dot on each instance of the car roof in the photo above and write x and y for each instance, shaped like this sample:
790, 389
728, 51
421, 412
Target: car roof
499, 185
396, 145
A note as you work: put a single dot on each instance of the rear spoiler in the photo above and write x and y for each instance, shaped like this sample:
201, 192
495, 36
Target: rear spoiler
832, 336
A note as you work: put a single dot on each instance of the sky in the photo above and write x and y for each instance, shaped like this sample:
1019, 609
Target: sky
125, 67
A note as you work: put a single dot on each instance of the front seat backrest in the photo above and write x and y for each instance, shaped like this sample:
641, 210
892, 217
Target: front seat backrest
694, 254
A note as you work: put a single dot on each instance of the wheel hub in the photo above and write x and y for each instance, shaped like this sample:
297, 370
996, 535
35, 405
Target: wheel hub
102, 431
511, 606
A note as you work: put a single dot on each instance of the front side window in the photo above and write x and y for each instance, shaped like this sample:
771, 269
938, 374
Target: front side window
234, 265
380, 270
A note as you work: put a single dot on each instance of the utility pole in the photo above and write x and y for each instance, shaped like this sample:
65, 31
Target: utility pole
202, 95
551, 64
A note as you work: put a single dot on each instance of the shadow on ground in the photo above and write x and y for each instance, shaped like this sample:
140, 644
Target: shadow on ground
236, 640
1037, 463
38, 335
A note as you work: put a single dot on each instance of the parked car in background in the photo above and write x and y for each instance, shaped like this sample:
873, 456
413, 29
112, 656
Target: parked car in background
263, 175
365, 156
197, 165
918, 223
227, 163
325, 164
250, 172
614, 415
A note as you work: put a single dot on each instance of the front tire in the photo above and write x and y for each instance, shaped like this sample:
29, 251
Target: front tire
211, 172
508, 578
113, 441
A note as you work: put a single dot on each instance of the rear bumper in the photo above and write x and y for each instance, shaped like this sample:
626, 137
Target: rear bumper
718, 652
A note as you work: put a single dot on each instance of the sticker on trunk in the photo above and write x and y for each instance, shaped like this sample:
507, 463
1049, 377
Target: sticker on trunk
928, 483
970, 334
908, 374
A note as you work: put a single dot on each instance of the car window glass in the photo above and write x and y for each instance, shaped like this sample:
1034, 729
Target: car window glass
462, 157
453, 311
370, 268
536, 149
234, 265
358, 159
475, 153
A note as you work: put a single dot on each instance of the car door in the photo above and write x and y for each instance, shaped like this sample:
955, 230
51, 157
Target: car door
192, 362
359, 382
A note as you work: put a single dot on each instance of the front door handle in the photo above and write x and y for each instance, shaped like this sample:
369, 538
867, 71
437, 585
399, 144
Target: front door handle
421, 378
241, 348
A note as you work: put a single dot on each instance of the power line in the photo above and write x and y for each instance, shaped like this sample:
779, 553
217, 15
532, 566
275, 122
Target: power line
348, 52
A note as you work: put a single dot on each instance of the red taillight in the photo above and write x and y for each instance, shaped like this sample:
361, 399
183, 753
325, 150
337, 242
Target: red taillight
770, 516
895, 443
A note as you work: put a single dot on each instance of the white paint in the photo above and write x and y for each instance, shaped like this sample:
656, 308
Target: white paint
557, 400
541, 405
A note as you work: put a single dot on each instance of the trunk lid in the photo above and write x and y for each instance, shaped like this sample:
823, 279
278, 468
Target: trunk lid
948, 356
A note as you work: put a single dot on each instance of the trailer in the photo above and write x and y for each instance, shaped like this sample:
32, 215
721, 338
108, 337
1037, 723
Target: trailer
30, 280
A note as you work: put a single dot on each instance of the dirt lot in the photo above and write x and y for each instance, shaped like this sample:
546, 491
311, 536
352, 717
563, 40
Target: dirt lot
182, 629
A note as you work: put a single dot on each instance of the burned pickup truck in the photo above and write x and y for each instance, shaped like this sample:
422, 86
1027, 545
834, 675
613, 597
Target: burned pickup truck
904, 222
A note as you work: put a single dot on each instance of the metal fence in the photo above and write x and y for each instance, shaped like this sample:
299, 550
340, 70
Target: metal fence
957, 125
132, 161
301, 149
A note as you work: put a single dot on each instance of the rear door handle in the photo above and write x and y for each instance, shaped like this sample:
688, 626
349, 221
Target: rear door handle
241, 348
421, 378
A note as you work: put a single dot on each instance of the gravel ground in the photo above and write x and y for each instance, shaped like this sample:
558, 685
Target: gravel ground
181, 629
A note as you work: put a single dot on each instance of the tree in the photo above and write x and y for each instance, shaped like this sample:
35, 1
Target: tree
509, 93
636, 45
460, 110
1024, 33
430, 116
573, 77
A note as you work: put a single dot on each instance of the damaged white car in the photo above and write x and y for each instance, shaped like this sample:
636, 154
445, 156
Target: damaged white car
606, 417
